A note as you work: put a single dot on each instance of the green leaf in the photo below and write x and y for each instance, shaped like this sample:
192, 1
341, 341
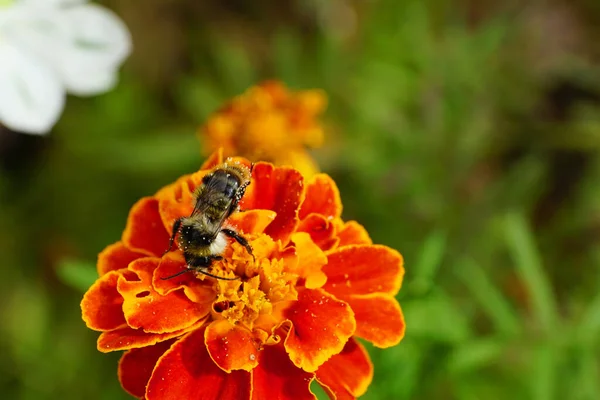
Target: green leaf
544, 372
429, 261
287, 57
476, 354
491, 299
437, 318
235, 67
529, 266
589, 328
78, 274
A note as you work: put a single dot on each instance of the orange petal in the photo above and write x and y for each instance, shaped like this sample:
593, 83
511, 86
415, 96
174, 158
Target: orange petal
321, 231
186, 371
279, 189
347, 375
128, 338
177, 200
322, 197
320, 327
214, 159
231, 347
146, 309
136, 366
252, 221
145, 232
101, 306
310, 260
276, 377
115, 256
198, 291
363, 269
379, 319
353, 233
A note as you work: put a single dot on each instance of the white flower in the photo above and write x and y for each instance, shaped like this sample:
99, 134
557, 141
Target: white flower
50, 47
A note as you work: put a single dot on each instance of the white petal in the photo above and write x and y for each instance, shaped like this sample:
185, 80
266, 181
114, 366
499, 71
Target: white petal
31, 96
51, 3
84, 44
37, 30
98, 44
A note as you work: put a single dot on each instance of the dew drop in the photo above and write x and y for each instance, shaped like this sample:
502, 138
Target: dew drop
252, 357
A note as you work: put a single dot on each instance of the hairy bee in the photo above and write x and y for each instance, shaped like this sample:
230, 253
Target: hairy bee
202, 236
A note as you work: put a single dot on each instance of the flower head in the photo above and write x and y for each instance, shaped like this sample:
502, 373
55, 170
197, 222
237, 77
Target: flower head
50, 47
269, 123
312, 283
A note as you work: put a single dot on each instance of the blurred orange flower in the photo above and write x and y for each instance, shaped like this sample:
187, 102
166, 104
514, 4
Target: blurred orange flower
314, 283
269, 123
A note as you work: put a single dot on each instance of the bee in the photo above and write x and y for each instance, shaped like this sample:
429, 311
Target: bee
202, 236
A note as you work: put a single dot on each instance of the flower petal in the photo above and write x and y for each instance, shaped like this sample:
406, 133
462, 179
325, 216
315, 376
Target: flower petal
321, 230
276, 377
114, 257
32, 98
52, 3
353, 233
322, 197
146, 309
320, 327
145, 232
252, 221
186, 371
363, 269
379, 319
197, 290
277, 189
101, 306
231, 347
128, 338
98, 43
136, 366
213, 160
177, 199
310, 260
348, 374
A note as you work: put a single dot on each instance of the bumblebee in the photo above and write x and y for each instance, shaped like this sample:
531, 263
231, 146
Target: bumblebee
201, 236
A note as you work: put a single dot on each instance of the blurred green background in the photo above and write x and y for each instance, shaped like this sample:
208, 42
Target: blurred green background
465, 134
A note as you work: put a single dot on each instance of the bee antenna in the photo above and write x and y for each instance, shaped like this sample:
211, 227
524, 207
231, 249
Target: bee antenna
177, 274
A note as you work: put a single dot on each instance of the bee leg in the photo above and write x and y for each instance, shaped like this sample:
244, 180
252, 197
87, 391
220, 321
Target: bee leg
176, 226
217, 277
240, 239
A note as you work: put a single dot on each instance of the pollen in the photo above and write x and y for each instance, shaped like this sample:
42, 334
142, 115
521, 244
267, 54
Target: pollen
265, 285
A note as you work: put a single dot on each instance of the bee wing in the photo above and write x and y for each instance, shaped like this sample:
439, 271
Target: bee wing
207, 195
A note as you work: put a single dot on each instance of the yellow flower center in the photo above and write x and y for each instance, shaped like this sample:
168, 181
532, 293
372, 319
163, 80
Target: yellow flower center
265, 288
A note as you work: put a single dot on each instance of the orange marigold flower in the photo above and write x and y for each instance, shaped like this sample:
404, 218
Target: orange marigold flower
269, 123
314, 283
